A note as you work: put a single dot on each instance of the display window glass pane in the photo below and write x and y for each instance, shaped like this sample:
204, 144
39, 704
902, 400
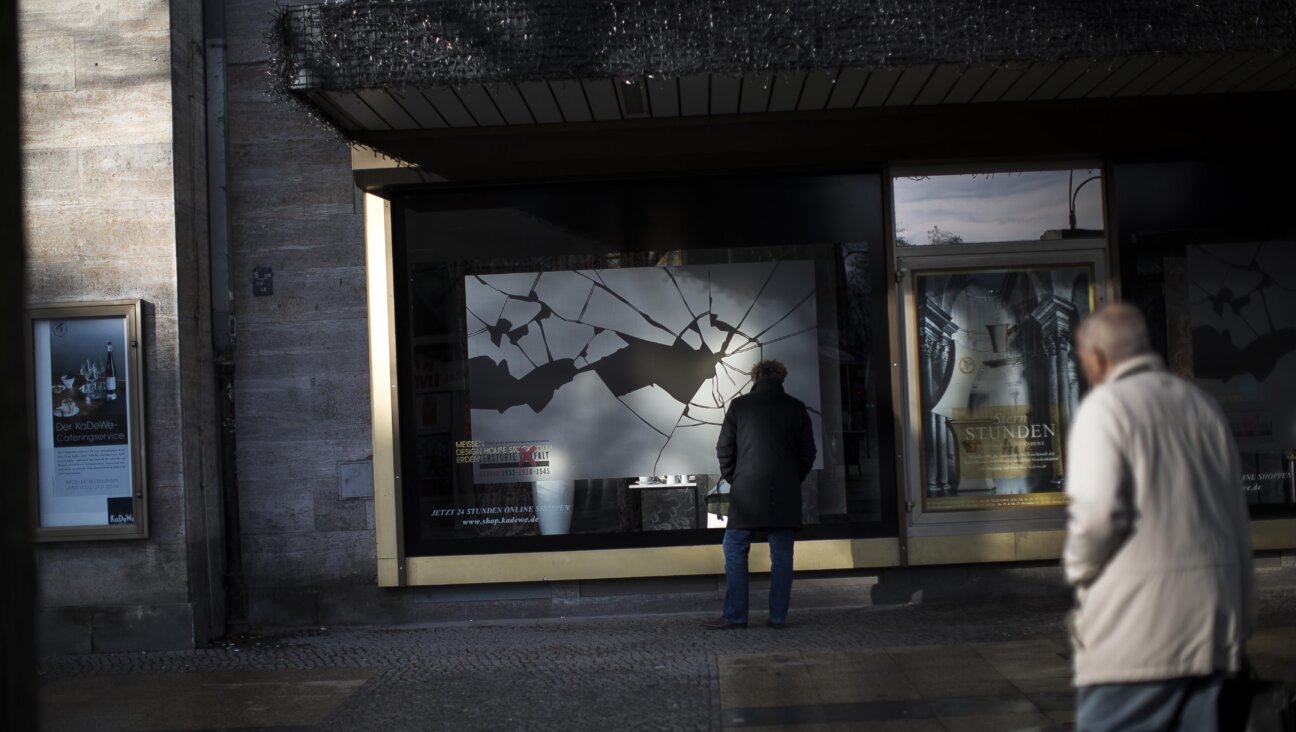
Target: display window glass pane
1209, 257
1241, 323
997, 380
572, 399
1003, 206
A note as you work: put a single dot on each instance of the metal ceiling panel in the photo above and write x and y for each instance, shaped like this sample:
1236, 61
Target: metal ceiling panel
588, 100
1282, 83
602, 98
386, 107
1121, 77
664, 96
998, 83
1092, 77
570, 95
1220, 69
540, 100
818, 87
447, 104
333, 111
1149, 77
878, 88
969, 84
480, 105
1062, 79
787, 91
754, 94
1031, 80
357, 110
907, 86
724, 93
940, 84
1182, 75
1265, 77
418, 107
508, 100
1248, 68
846, 91
695, 94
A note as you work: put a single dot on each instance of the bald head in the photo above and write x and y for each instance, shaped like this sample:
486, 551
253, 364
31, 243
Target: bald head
1111, 335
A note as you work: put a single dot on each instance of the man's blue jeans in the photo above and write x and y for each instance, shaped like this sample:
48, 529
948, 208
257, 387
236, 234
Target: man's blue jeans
1185, 705
737, 545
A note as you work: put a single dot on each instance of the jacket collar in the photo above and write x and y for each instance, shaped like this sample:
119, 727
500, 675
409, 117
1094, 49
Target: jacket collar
1136, 365
767, 385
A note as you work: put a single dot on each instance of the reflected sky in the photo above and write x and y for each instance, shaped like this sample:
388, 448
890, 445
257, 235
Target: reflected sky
987, 207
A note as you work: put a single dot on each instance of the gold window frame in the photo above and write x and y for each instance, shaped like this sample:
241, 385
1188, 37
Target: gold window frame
985, 539
128, 311
1085, 254
395, 569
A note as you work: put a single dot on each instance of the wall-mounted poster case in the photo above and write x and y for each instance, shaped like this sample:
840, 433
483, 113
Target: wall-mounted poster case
88, 438
993, 381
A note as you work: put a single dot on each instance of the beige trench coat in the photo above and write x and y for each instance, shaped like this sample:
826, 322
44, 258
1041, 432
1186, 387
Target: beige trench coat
1158, 544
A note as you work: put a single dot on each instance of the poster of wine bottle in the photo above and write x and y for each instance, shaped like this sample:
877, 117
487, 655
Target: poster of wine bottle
84, 406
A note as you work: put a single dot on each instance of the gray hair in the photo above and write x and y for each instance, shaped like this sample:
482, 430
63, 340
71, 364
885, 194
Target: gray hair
769, 370
1118, 330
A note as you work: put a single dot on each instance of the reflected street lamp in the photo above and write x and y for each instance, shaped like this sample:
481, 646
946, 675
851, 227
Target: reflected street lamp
1071, 218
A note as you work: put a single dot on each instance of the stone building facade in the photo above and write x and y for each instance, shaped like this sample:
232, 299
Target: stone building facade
116, 205
115, 209
159, 166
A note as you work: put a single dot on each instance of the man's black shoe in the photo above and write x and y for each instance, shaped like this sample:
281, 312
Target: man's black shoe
776, 626
722, 624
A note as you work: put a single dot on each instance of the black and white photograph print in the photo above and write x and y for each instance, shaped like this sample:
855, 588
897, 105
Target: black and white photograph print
629, 371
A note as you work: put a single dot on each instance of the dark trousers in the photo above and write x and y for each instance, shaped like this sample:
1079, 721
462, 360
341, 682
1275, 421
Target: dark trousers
737, 545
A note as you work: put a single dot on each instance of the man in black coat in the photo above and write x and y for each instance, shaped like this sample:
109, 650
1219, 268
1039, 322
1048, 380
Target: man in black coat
766, 450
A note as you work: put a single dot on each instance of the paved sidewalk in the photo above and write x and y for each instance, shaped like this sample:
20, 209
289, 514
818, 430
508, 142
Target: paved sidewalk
988, 666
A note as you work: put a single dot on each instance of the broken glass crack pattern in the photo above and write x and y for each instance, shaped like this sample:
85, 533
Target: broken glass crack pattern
629, 371
1242, 316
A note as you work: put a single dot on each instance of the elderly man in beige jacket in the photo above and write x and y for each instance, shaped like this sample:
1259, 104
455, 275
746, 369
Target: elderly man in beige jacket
1158, 546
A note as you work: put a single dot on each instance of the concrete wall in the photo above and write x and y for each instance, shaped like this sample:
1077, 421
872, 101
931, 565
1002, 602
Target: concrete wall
112, 213
301, 354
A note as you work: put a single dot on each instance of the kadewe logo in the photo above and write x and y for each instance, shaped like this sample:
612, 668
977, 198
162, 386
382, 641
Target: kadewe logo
121, 510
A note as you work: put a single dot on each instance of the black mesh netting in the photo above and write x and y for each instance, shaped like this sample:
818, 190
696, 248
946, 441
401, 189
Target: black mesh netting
364, 44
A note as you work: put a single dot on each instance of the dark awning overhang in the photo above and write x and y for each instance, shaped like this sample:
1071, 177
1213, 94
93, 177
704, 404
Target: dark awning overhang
399, 75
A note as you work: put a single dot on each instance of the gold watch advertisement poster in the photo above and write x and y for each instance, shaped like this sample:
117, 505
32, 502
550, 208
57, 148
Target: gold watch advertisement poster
998, 380
85, 404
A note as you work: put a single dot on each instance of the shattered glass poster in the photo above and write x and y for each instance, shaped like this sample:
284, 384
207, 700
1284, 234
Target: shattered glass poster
598, 373
1242, 314
998, 381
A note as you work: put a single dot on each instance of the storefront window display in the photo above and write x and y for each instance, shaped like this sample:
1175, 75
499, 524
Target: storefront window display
1242, 315
1211, 261
567, 376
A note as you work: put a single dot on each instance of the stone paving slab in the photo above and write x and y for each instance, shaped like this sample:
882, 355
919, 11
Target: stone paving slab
941, 687
911, 668
198, 700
